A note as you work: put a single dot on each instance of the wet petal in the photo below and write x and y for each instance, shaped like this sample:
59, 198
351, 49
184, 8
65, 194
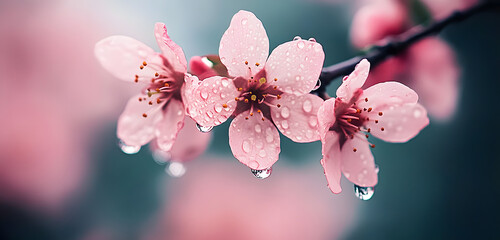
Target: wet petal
133, 128
296, 66
122, 56
210, 102
355, 80
297, 117
169, 126
326, 116
244, 45
398, 123
254, 142
190, 142
170, 50
331, 161
357, 162
389, 93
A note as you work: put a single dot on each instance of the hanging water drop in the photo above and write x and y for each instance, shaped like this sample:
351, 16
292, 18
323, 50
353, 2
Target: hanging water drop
161, 157
312, 39
297, 38
128, 149
318, 85
175, 169
262, 174
204, 129
363, 193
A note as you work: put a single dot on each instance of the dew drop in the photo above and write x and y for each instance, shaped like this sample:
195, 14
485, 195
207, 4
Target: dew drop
128, 149
246, 146
161, 157
175, 169
318, 84
300, 44
262, 174
284, 124
377, 169
297, 38
312, 39
307, 106
204, 95
204, 129
285, 112
225, 82
317, 48
313, 121
244, 21
262, 153
258, 128
363, 193
218, 107
417, 113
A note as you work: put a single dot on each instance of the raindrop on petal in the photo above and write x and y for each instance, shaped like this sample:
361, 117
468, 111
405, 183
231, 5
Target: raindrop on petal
285, 112
297, 38
363, 193
128, 149
312, 39
204, 129
307, 106
175, 169
161, 157
262, 174
300, 44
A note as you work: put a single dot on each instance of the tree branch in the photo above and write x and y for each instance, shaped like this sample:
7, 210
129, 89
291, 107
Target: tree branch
397, 45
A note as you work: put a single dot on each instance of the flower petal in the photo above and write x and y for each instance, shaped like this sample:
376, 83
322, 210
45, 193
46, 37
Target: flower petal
244, 45
133, 128
388, 93
190, 142
122, 56
296, 66
168, 128
254, 142
326, 116
355, 81
171, 51
357, 162
210, 102
399, 123
297, 117
331, 161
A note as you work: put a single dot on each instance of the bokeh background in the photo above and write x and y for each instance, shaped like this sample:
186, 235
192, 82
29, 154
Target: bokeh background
63, 176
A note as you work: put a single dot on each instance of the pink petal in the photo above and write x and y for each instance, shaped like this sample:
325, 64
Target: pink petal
170, 50
358, 166
169, 126
331, 161
297, 117
244, 42
355, 81
190, 142
254, 142
296, 65
400, 123
210, 102
326, 116
122, 56
380, 95
133, 128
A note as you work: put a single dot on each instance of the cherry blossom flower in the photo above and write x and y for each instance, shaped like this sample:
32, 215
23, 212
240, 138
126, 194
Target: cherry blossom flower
388, 111
158, 111
261, 93
428, 67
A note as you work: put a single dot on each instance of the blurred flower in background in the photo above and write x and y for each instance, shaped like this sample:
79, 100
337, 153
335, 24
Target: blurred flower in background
221, 200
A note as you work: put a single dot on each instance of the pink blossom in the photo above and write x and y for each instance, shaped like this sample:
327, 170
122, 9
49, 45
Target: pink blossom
158, 111
388, 111
442, 8
377, 22
217, 201
261, 93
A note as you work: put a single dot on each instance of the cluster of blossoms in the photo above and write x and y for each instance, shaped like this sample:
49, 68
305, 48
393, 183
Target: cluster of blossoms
263, 94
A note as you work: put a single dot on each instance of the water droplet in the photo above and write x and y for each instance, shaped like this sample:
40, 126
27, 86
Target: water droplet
244, 21
284, 124
312, 39
218, 107
297, 38
313, 121
262, 174
317, 47
253, 164
246, 146
417, 113
128, 149
204, 129
258, 128
377, 169
285, 112
300, 44
363, 193
318, 84
175, 169
225, 82
262, 153
204, 95
307, 106
297, 78
161, 157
